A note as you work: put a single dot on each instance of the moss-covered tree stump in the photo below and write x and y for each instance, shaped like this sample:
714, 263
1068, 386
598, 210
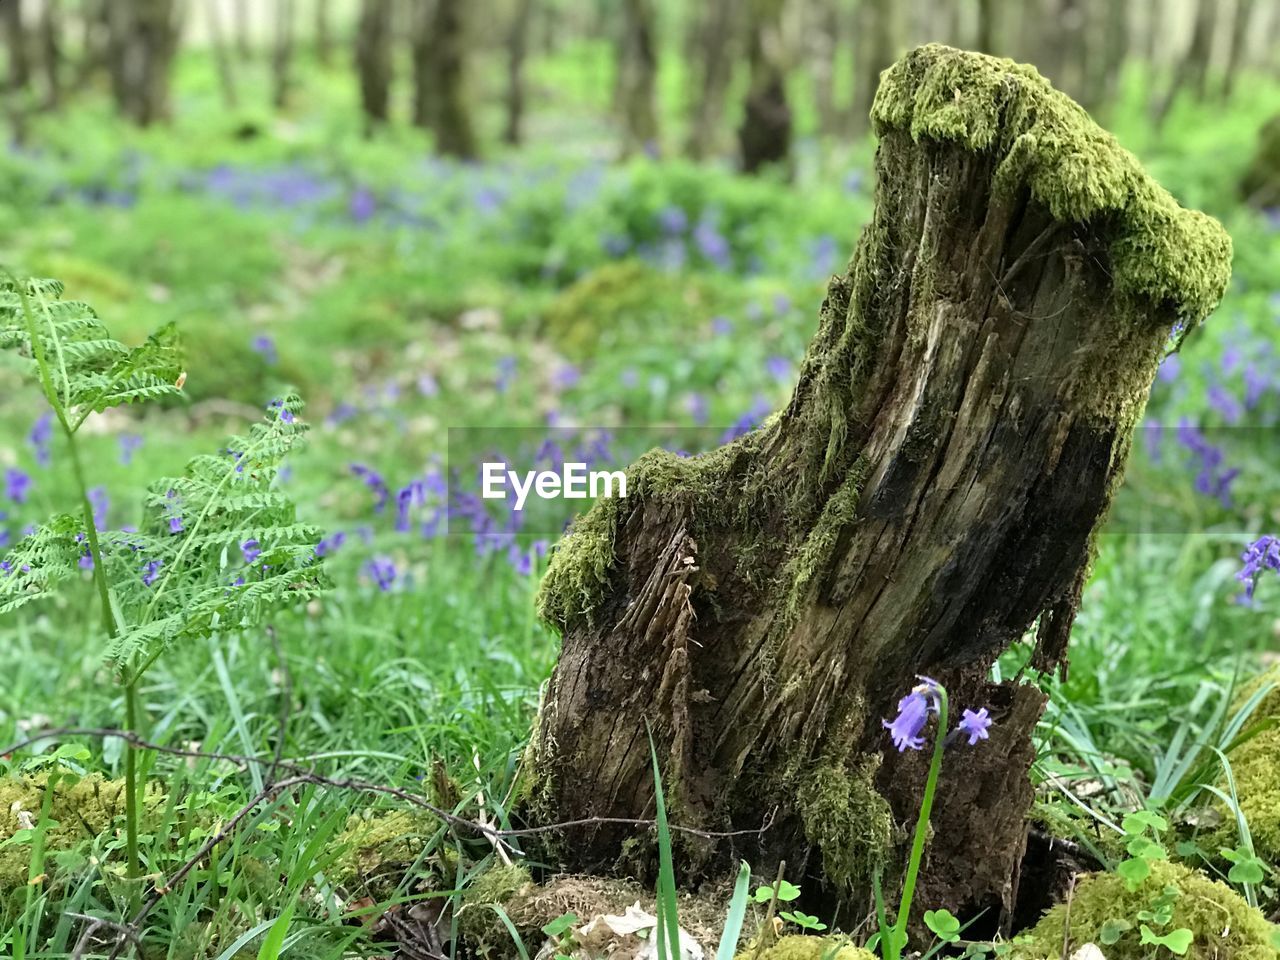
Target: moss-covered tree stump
929, 495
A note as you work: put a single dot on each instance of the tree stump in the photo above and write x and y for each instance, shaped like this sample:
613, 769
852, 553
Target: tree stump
930, 494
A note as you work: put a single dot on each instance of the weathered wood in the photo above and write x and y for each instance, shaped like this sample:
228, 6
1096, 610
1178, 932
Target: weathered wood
928, 496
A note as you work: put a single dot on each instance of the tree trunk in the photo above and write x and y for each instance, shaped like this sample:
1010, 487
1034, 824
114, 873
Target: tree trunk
282, 54
712, 50
517, 50
822, 32
243, 27
323, 33
878, 40
1063, 55
930, 493
765, 135
373, 61
1239, 40
988, 24
222, 57
440, 68
1194, 69
637, 75
144, 38
16, 44
51, 53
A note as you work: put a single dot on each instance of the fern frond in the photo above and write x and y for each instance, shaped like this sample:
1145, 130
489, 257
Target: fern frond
38, 562
88, 370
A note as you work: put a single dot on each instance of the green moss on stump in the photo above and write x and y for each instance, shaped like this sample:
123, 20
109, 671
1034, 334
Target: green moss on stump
1040, 137
799, 947
848, 820
1224, 927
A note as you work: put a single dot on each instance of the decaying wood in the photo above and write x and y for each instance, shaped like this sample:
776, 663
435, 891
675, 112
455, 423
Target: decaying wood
929, 496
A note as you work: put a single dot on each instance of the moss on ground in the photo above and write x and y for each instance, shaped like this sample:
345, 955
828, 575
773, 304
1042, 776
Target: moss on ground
382, 845
1160, 252
848, 820
81, 810
798, 947
1223, 925
1255, 766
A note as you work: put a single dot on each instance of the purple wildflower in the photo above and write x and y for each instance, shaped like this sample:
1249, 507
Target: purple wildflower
362, 205
40, 436
506, 373
265, 347
17, 485
913, 714
1262, 554
427, 385
721, 326
711, 244
331, 544
129, 445
1169, 368
150, 571
1226, 404
672, 220
747, 422
413, 495
99, 503
779, 368
251, 550
383, 572
373, 480
565, 376
975, 725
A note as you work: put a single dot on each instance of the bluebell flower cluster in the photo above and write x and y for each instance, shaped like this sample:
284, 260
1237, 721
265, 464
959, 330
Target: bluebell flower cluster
1261, 555
907, 728
41, 438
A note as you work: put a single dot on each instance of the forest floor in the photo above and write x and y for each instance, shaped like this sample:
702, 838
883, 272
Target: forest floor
402, 296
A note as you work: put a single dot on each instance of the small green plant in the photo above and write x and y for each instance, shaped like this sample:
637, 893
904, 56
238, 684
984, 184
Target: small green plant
218, 547
1142, 830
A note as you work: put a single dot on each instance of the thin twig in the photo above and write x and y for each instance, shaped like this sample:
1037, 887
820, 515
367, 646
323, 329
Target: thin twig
95, 923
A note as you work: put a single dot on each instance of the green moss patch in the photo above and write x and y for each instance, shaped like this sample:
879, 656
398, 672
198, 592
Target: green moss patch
1223, 926
1256, 768
1160, 252
807, 948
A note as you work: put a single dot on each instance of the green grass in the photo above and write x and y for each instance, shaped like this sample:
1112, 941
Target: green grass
447, 667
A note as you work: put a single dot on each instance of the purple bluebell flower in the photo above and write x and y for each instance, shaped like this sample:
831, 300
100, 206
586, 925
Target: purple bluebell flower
975, 725
1170, 368
250, 550
779, 368
615, 245
265, 347
343, 412
672, 220
1263, 554
781, 304
747, 422
696, 404
99, 504
284, 413
913, 714
565, 376
712, 245
506, 374
86, 558
150, 571
383, 571
1212, 479
373, 480
1226, 404
129, 445
17, 485
41, 436
362, 205
331, 544
172, 508
410, 496
1257, 382
721, 326
427, 385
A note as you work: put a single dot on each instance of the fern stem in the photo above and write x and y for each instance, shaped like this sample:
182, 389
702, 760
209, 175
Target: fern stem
131, 780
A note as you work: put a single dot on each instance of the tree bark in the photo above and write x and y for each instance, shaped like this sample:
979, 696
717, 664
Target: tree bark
282, 54
764, 138
16, 45
637, 75
144, 38
929, 494
440, 78
712, 51
1239, 40
323, 33
222, 57
517, 51
1194, 69
373, 61
51, 53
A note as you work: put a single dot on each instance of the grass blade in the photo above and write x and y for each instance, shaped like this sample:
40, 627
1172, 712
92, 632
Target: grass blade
737, 914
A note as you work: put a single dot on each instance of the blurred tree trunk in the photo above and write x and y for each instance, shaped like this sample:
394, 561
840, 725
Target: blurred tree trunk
221, 56
323, 33
243, 24
989, 12
1063, 55
15, 38
144, 38
931, 492
51, 52
711, 49
638, 75
1116, 46
822, 38
1239, 40
373, 61
1193, 71
764, 138
440, 38
517, 52
877, 43
282, 53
